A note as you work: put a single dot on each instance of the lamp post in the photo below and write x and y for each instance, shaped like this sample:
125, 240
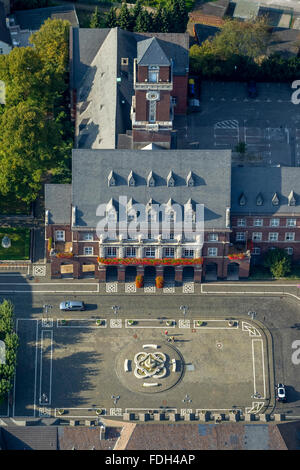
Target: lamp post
115, 308
115, 399
184, 309
252, 314
187, 399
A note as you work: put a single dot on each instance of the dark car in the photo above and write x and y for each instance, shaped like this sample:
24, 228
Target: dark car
281, 393
252, 89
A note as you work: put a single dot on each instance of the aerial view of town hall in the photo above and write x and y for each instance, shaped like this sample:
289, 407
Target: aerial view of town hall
149, 227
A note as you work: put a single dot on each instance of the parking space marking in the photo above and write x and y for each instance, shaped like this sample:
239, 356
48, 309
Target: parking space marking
256, 362
35, 366
45, 399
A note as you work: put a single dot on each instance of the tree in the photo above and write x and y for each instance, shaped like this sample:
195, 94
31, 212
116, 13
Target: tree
124, 18
30, 143
136, 10
179, 15
11, 342
162, 20
278, 261
95, 21
111, 18
144, 22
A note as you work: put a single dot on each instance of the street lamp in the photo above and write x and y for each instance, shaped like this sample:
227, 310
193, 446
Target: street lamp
115, 308
252, 314
184, 308
115, 398
187, 399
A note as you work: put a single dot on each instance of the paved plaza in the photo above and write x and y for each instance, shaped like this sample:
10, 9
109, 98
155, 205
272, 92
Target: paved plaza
80, 365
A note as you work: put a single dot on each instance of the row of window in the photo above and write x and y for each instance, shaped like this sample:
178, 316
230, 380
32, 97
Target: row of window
273, 222
149, 252
60, 236
257, 250
272, 236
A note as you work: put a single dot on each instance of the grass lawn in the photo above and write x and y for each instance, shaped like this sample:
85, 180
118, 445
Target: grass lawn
10, 206
20, 244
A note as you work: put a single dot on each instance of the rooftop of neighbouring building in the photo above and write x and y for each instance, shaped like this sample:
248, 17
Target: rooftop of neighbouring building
4, 32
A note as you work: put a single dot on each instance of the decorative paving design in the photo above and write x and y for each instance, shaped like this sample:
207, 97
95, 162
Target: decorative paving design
149, 289
250, 328
130, 287
188, 288
150, 364
44, 412
111, 287
115, 323
47, 322
116, 411
169, 288
184, 323
39, 270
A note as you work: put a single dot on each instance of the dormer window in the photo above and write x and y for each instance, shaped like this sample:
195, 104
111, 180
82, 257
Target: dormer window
131, 180
151, 180
275, 200
292, 199
111, 179
242, 200
124, 61
190, 180
170, 180
259, 200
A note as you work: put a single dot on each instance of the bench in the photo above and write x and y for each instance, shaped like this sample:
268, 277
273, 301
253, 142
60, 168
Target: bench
154, 346
174, 365
146, 384
126, 365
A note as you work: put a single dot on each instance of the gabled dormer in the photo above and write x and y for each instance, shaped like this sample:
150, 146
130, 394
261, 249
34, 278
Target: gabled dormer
170, 180
190, 179
151, 180
292, 199
242, 200
111, 210
112, 179
275, 199
131, 179
259, 200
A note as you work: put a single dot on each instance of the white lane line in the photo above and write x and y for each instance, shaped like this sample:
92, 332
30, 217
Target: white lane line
48, 401
253, 363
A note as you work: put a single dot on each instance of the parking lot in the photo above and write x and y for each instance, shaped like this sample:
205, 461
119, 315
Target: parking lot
268, 124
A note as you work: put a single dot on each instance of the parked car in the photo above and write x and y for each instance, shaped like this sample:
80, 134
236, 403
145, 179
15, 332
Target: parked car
71, 305
252, 89
281, 393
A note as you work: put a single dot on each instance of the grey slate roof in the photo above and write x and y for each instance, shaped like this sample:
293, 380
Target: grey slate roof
211, 171
29, 437
284, 41
251, 181
4, 32
150, 52
58, 202
34, 19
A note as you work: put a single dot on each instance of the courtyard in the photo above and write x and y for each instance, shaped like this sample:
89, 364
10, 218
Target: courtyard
81, 367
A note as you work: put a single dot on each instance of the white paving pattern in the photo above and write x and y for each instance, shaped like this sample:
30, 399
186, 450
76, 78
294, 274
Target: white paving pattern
188, 288
111, 287
130, 287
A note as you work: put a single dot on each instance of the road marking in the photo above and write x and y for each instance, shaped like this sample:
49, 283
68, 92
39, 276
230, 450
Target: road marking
47, 400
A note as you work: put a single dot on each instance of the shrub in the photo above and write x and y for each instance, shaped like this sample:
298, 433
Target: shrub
139, 281
159, 282
278, 261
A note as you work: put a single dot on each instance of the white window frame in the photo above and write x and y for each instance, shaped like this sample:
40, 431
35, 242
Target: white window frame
212, 251
288, 237
130, 252
275, 222
256, 251
241, 223
169, 252
213, 237
188, 253
258, 222
257, 236
59, 238
291, 222
273, 237
289, 250
149, 252
111, 251
240, 236
88, 236
88, 248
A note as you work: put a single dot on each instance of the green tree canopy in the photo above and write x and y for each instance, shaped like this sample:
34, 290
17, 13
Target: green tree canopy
278, 261
95, 21
11, 342
111, 18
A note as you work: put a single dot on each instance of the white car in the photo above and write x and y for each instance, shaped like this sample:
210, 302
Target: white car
281, 393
